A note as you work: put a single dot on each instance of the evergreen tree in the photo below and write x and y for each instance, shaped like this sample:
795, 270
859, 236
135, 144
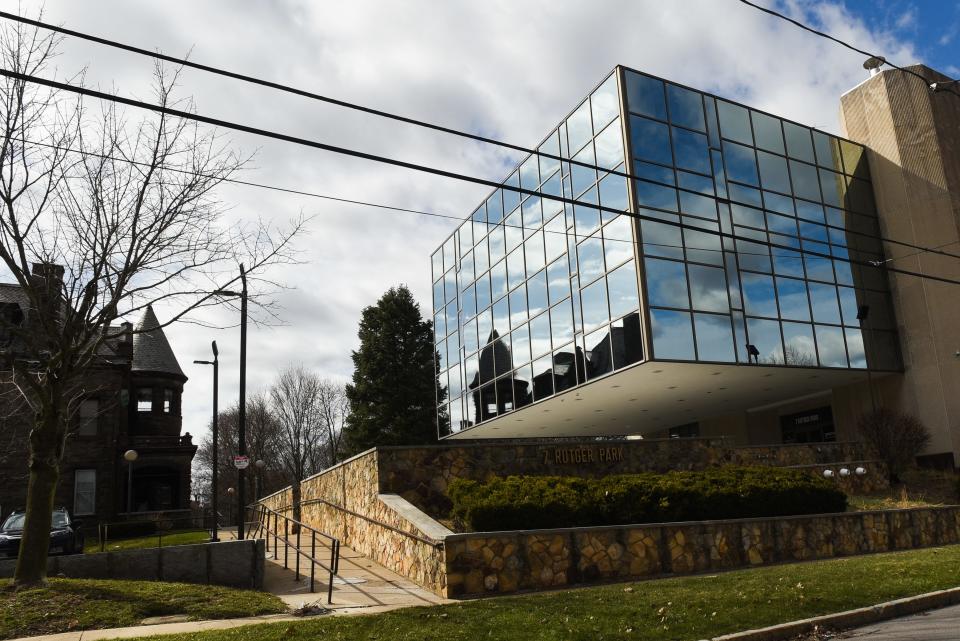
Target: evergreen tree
393, 396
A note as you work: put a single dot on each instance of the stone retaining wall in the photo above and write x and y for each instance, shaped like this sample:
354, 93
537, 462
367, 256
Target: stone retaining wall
503, 562
236, 564
343, 502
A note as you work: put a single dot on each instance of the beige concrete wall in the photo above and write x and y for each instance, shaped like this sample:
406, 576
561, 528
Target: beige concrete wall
913, 137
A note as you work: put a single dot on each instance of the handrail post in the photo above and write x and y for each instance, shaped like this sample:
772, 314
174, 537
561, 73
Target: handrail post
286, 541
313, 556
333, 564
299, 528
276, 536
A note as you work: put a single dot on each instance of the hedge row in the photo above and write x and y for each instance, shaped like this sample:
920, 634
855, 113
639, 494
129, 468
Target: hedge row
531, 502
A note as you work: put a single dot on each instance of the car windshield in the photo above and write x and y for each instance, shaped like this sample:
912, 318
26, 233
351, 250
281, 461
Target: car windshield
15, 521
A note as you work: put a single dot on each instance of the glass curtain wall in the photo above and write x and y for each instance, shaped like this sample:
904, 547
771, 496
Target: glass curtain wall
532, 296
749, 224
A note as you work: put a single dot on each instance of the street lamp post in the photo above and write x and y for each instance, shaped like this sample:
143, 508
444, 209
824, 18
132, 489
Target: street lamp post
259, 465
130, 456
242, 410
216, 386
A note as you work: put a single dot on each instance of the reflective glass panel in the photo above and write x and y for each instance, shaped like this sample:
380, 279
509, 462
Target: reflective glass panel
599, 360
741, 164
645, 95
530, 173
498, 279
617, 246
609, 144
590, 259
594, 302
703, 247
515, 268
708, 289
714, 338
622, 286
558, 281
661, 240
521, 344
613, 194
533, 252
519, 310
766, 130
831, 346
672, 335
759, 298
686, 107
823, 300
773, 172
792, 295
650, 140
666, 283
579, 129
537, 293
765, 336
855, 349
798, 345
691, 150
734, 122
799, 144
582, 177
540, 335
806, 184
561, 323
605, 103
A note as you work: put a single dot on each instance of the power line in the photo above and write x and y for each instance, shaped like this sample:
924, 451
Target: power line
405, 119
843, 43
216, 122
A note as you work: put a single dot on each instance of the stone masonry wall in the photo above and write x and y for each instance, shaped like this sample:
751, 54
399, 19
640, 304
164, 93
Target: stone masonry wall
343, 502
503, 562
420, 474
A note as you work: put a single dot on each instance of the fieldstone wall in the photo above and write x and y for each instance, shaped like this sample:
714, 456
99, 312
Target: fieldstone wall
421, 474
344, 502
503, 562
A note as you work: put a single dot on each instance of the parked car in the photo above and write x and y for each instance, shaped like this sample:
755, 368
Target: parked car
65, 536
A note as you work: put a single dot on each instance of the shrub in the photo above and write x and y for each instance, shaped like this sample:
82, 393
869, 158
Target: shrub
531, 502
893, 437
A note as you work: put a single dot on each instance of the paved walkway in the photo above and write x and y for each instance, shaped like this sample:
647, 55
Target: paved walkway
361, 586
936, 625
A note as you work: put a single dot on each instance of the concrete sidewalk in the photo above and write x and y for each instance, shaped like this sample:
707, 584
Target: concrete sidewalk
937, 625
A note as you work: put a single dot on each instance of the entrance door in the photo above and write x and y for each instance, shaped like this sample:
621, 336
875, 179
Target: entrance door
811, 426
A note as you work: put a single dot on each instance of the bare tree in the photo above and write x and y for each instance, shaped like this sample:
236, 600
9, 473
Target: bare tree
893, 437
295, 399
334, 409
101, 216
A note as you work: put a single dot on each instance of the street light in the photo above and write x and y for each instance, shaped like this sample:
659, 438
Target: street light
242, 411
216, 377
130, 456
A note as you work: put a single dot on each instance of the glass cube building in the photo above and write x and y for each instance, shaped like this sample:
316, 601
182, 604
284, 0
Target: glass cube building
667, 256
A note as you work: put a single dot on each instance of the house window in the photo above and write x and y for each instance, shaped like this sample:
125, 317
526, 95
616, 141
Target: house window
167, 401
84, 492
89, 413
144, 399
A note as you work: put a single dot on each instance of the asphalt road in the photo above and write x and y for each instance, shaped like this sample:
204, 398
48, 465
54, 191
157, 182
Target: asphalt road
936, 625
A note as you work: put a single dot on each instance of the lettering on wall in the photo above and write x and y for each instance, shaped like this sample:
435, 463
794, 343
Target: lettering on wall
580, 455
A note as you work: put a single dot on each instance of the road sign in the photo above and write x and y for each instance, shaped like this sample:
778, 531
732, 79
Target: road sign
241, 462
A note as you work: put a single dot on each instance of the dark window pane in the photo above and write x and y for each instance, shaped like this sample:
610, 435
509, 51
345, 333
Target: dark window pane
798, 345
734, 122
773, 172
542, 378
599, 359
741, 164
627, 340
792, 295
667, 283
650, 140
714, 338
672, 335
686, 107
645, 95
758, 294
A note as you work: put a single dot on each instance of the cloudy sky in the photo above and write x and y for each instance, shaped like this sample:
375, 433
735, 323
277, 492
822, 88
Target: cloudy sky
504, 68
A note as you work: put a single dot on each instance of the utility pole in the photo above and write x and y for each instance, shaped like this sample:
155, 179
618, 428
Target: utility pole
242, 418
216, 414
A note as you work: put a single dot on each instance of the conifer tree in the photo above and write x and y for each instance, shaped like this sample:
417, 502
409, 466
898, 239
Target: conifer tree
393, 395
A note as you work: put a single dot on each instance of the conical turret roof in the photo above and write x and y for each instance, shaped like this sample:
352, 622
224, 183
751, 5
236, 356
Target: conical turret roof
151, 349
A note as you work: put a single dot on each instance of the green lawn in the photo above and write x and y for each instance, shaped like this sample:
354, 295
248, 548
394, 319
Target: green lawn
85, 604
172, 537
677, 609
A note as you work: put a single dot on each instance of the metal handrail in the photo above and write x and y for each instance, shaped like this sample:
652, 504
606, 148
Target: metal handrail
197, 523
263, 525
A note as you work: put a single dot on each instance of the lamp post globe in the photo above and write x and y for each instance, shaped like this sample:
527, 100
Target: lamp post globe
130, 456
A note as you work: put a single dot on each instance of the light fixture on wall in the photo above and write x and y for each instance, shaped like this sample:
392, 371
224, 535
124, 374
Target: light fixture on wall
753, 353
844, 471
860, 471
828, 474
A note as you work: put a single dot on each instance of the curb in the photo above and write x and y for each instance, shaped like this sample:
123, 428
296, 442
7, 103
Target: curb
850, 618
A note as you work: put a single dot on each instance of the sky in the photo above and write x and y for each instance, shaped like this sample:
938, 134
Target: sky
506, 69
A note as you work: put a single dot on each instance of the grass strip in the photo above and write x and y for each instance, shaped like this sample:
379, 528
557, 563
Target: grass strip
87, 604
174, 537
675, 609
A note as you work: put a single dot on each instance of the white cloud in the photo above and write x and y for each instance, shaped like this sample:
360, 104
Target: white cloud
505, 69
